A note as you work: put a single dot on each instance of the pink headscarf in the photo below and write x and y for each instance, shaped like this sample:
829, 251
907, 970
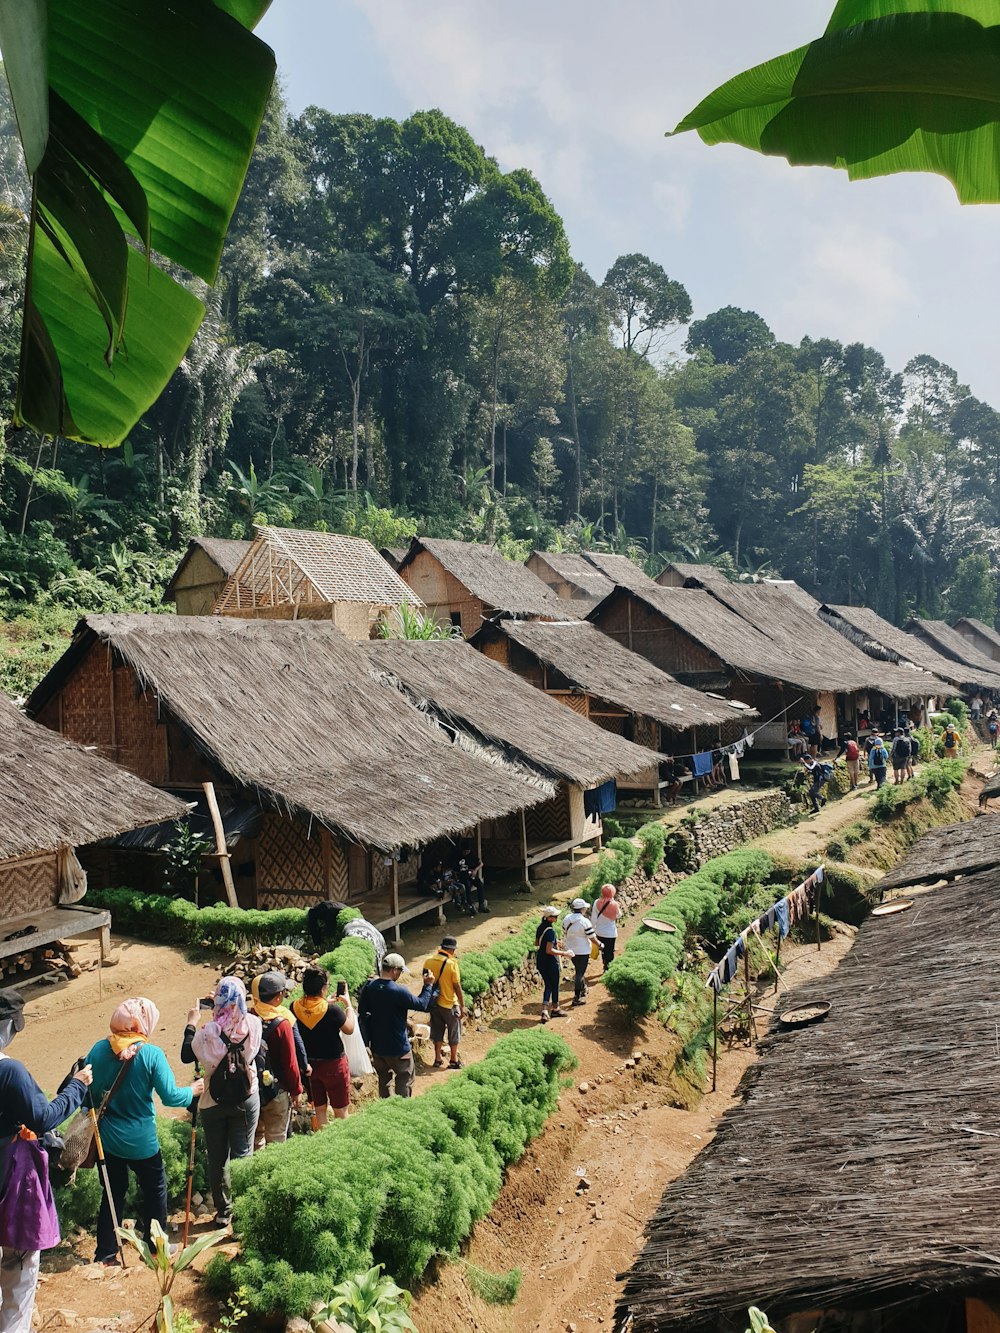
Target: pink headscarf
606, 907
132, 1023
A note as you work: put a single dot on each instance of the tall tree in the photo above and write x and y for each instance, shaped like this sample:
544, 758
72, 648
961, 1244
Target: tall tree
644, 303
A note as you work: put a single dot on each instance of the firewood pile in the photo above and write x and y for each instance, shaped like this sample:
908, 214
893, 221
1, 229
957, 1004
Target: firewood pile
54, 958
250, 963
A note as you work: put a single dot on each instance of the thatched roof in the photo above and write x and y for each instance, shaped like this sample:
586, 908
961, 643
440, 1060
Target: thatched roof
500, 583
981, 628
795, 591
393, 555
467, 690
291, 710
758, 630
600, 666
860, 1167
691, 575
222, 551
283, 566
881, 639
945, 853
55, 794
950, 643
578, 570
622, 572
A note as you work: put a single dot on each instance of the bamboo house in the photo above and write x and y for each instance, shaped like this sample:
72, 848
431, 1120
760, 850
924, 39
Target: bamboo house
623, 693
348, 778
983, 637
853, 1187
203, 572
958, 649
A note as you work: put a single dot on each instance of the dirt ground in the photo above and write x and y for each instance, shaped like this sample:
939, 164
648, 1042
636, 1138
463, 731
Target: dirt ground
632, 1131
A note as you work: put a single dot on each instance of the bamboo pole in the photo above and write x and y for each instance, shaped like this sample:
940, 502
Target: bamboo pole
715, 1035
221, 851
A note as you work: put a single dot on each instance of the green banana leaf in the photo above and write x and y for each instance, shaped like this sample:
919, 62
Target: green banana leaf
893, 85
151, 113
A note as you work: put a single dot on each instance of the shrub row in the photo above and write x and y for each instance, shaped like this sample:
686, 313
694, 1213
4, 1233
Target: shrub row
398, 1183
696, 905
936, 780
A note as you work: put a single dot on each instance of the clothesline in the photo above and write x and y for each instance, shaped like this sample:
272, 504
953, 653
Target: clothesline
745, 742
795, 906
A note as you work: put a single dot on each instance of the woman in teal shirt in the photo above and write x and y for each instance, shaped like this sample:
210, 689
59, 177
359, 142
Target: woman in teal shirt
128, 1126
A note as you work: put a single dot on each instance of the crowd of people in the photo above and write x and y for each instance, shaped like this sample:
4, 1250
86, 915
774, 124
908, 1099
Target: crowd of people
588, 933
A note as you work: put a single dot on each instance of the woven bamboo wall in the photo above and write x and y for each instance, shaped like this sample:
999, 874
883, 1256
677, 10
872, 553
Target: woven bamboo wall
551, 821
613, 722
29, 884
142, 742
578, 703
289, 863
86, 701
497, 650
442, 594
199, 586
647, 633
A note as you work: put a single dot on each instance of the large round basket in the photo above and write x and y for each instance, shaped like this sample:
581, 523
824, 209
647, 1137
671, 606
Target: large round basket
805, 1014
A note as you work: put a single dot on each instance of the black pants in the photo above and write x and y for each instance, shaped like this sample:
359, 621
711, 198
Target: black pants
581, 961
607, 943
152, 1182
548, 968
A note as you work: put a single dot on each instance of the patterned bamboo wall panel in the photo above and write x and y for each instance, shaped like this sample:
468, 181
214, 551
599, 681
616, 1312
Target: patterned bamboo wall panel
498, 650
579, 825
142, 741
550, 821
579, 703
29, 885
616, 725
289, 862
185, 764
86, 701
646, 732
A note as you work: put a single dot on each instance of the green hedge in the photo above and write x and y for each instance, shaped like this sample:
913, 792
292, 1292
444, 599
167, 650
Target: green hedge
936, 780
398, 1183
650, 958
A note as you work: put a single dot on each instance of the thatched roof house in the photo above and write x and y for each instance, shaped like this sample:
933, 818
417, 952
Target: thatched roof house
858, 1173
881, 639
55, 797
465, 583
291, 574
619, 690
949, 643
946, 853
205, 566
623, 572
574, 577
983, 637
760, 645
481, 700
289, 714
684, 574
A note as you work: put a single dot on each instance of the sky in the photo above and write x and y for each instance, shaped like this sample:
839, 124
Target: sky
582, 92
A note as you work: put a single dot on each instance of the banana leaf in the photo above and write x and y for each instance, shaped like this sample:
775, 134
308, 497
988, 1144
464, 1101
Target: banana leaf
892, 85
138, 150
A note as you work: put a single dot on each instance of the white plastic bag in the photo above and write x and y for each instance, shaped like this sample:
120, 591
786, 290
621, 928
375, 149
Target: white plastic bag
357, 1056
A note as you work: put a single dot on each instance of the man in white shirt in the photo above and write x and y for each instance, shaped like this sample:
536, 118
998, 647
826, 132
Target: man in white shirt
577, 934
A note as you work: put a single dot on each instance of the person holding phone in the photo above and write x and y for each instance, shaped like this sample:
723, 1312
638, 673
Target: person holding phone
321, 1024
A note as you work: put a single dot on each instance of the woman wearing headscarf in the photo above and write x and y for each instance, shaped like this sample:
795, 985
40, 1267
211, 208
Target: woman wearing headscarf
604, 916
23, 1105
128, 1125
229, 1129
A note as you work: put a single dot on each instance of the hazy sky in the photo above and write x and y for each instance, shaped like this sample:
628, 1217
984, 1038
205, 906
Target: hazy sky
581, 92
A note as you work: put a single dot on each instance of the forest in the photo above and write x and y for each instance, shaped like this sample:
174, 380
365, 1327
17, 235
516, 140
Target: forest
401, 341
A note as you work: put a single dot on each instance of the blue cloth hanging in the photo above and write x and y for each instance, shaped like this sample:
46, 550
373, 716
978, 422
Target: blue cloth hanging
601, 800
782, 916
702, 763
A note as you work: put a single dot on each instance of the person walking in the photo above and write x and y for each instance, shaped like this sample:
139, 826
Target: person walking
871, 741
547, 957
900, 757
951, 741
577, 935
321, 1025
816, 775
383, 1006
448, 1009
849, 749
231, 1040
604, 918
282, 1078
913, 749
993, 726
24, 1105
976, 704
878, 760
128, 1125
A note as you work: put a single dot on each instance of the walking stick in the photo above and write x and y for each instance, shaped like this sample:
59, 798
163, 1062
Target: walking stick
190, 1170
102, 1170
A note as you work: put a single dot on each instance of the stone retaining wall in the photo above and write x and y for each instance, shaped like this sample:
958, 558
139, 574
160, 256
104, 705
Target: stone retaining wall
725, 829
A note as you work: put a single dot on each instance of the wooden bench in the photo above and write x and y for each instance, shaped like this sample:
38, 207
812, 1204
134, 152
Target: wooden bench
57, 923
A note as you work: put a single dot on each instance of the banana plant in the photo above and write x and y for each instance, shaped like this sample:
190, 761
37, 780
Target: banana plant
137, 130
166, 1265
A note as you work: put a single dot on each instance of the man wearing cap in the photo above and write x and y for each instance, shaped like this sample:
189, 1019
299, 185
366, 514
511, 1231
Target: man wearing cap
22, 1102
281, 1081
448, 1008
577, 935
382, 1009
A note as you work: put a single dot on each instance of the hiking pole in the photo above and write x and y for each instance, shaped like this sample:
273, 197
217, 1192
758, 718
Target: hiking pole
102, 1170
190, 1168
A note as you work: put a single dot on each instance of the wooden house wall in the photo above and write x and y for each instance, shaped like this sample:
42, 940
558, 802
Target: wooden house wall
354, 619
442, 594
559, 584
298, 864
28, 884
986, 646
642, 630
198, 585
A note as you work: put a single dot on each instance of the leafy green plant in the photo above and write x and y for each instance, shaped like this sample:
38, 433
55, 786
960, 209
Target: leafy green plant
398, 1183
183, 854
759, 1322
408, 622
158, 1258
368, 1303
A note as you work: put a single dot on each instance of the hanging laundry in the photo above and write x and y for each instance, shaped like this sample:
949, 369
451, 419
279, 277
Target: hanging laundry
747, 738
727, 968
601, 800
714, 982
818, 875
702, 763
782, 917
767, 920
734, 767
754, 926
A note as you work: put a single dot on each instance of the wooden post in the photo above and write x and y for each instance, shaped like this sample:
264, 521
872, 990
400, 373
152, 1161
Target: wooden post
819, 942
221, 850
777, 960
715, 1034
524, 848
324, 842
394, 900
746, 982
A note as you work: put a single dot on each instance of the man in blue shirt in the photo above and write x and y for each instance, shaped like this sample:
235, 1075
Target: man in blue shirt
383, 1006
